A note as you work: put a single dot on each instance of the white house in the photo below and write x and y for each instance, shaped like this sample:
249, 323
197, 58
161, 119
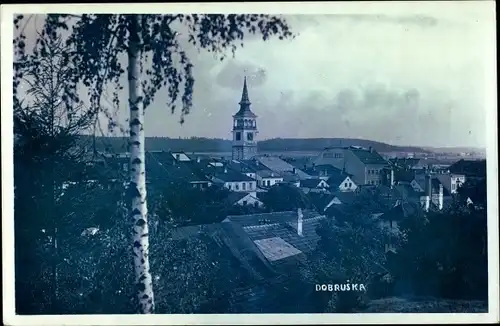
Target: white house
244, 199
235, 181
341, 182
268, 178
314, 185
451, 181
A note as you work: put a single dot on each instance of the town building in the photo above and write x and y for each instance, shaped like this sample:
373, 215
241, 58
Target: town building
451, 181
244, 129
365, 165
471, 169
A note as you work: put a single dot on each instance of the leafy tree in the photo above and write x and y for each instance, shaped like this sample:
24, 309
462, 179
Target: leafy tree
174, 204
444, 254
46, 128
152, 46
351, 247
285, 197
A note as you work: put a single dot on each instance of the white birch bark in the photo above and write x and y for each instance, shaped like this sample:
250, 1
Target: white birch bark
140, 236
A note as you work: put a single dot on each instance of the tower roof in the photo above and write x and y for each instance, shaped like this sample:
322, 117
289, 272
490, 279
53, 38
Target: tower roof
245, 103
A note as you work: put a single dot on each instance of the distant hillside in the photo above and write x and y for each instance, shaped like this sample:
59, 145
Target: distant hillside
119, 144
456, 149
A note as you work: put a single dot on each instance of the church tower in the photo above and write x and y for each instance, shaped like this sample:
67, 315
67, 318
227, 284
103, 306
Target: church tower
244, 129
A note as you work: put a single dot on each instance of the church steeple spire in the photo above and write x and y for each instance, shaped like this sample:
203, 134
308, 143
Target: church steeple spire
245, 101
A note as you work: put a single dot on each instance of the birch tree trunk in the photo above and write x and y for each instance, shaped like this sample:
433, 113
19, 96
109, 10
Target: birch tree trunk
140, 236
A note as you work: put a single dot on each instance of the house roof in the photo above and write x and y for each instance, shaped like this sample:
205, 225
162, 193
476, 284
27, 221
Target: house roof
241, 167
400, 211
278, 165
470, 168
335, 180
345, 197
298, 162
435, 182
233, 197
268, 174
285, 235
269, 218
255, 164
369, 157
234, 239
228, 175
163, 166
404, 175
289, 177
322, 169
310, 183
405, 162
320, 199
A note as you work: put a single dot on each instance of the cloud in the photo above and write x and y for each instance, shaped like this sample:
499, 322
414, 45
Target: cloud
415, 79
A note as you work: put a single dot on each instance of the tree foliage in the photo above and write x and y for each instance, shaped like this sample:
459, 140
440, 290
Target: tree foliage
444, 254
285, 197
93, 58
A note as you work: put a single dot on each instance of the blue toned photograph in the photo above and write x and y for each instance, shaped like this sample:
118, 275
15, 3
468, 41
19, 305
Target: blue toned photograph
250, 163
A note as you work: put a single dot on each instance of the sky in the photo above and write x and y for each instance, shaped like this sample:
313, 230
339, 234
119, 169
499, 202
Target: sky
402, 78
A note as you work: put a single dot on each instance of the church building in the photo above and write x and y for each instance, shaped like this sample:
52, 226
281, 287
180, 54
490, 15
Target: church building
244, 129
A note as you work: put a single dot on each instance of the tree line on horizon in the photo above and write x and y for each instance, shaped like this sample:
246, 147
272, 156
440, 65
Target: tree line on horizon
202, 144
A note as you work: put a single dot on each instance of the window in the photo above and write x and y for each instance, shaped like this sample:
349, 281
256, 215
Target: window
229, 186
350, 184
177, 156
250, 187
244, 203
345, 184
338, 155
369, 171
237, 187
268, 183
250, 136
244, 186
327, 155
238, 136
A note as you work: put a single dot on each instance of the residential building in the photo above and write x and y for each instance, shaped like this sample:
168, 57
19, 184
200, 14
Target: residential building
268, 178
162, 168
431, 191
341, 182
281, 167
313, 185
244, 199
234, 181
323, 171
244, 129
365, 165
451, 181
471, 169
241, 167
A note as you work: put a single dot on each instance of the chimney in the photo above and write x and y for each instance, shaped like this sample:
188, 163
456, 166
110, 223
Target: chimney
440, 198
428, 185
293, 170
300, 217
392, 178
198, 159
370, 149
